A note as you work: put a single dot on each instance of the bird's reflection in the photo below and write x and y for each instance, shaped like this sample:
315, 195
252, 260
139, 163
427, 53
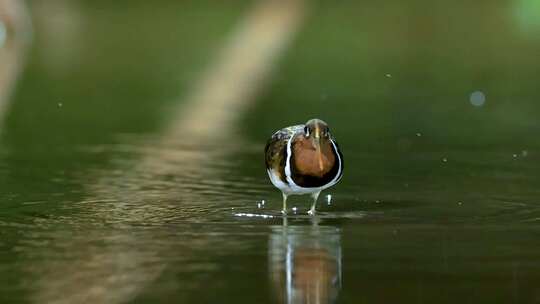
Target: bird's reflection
305, 263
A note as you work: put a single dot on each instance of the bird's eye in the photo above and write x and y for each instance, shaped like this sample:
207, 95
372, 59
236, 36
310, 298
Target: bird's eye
306, 130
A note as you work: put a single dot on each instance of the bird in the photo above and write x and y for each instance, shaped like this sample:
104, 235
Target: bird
303, 159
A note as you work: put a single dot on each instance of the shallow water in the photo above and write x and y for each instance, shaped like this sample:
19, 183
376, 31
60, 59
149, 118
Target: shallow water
102, 203
175, 229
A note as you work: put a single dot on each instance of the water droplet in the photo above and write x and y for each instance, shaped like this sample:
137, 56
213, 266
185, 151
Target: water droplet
524, 153
263, 202
329, 199
259, 205
294, 209
388, 75
418, 134
460, 203
445, 160
377, 201
477, 98
514, 155
60, 104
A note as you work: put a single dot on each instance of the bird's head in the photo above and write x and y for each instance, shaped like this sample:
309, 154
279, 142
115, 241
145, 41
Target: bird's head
317, 130
318, 133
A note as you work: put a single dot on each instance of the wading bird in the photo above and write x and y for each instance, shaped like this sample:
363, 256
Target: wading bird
303, 159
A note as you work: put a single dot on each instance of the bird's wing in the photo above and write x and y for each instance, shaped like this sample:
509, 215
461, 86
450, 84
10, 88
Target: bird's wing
275, 150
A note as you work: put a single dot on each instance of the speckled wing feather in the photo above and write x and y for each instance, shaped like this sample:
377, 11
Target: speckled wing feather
276, 150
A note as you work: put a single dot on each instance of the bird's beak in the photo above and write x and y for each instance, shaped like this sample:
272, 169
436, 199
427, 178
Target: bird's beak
317, 144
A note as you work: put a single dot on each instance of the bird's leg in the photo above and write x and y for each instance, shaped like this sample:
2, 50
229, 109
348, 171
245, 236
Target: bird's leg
315, 196
284, 210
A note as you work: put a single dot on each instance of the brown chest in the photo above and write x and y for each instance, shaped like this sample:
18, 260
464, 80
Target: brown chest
310, 161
